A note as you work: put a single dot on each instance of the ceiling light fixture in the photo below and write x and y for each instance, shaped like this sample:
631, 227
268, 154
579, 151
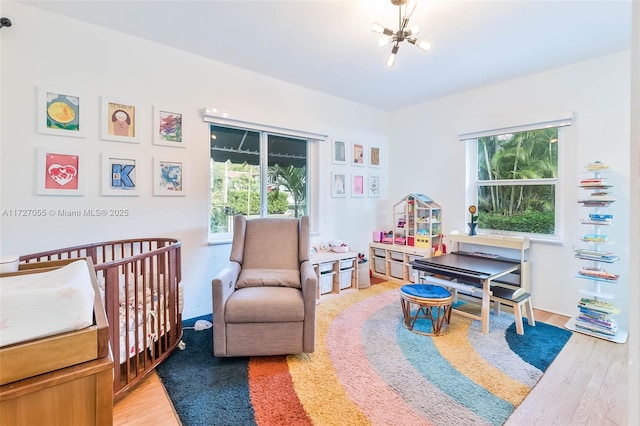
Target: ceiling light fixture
405, 10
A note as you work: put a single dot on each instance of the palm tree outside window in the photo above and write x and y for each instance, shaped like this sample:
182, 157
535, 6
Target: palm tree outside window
516, 181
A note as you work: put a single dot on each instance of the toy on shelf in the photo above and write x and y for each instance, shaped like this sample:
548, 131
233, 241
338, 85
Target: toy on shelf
441, 247
474, 220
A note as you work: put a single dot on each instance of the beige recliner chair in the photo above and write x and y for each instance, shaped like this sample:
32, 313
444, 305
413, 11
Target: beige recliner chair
264, 301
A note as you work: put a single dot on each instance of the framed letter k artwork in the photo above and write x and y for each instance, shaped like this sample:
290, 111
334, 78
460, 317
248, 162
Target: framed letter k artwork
120, 175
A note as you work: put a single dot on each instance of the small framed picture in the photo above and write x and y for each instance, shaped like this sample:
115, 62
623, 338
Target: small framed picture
119, 120
120, 175
357, 185
374, 156
357, 151
339, 152
59, 112
168, 177
374, 186
338, 184
59, 172
167, 127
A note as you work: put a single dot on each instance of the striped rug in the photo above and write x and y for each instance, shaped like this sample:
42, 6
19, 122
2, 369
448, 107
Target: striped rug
368, 369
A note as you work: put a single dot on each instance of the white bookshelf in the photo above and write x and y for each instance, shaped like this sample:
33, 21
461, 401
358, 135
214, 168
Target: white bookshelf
596, 254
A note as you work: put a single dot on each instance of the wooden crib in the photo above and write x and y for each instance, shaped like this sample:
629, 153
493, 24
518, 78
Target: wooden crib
140, 281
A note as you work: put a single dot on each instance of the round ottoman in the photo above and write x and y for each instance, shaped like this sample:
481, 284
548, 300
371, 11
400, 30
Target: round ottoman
432, 303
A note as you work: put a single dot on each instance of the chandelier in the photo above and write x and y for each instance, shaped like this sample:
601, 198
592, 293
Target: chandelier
405, 10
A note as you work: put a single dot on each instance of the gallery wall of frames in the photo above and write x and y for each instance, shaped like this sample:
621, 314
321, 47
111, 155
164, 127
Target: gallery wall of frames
64, 171
354, 172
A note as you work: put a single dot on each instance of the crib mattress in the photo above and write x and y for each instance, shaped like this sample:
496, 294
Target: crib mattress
55, 344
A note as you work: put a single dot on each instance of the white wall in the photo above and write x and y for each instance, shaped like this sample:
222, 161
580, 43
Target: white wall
428, 158
46, 49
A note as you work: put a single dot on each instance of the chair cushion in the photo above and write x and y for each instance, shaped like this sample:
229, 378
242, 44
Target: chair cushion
260, 277
265, 304
426, 291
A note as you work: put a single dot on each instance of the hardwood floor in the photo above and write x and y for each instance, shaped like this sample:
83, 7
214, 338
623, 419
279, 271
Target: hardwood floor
585, 385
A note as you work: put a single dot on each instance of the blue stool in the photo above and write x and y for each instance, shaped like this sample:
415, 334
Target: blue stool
433, 303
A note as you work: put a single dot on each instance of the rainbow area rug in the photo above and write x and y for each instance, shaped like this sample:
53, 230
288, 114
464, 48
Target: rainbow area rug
368, 369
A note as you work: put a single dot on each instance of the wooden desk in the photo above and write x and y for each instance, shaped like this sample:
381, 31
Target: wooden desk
468, 272
516, 248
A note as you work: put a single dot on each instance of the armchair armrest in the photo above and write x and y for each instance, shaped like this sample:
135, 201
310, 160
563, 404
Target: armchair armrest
309, 281
223, 286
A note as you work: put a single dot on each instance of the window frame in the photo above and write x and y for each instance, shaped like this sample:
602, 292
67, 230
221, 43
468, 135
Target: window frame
313, 187
472, 182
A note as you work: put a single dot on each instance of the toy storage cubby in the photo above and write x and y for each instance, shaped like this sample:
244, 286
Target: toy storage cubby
417, 221
391, 262
337, 272
596, 310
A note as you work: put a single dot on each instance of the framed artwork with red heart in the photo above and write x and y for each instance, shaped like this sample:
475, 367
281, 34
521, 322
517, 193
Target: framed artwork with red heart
59, 173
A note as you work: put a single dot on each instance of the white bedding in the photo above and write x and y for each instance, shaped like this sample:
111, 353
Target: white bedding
46, 303
136, 311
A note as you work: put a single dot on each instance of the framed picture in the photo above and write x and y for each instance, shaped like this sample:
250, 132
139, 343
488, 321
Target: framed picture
374, 186
167, 127
339, 152
168, 177
120, 175
119, 121
59, 112
374, 156
357, 157
357, 185
59, 172
338, 184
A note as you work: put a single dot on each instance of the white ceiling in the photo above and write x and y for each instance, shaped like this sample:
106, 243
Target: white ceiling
328, 45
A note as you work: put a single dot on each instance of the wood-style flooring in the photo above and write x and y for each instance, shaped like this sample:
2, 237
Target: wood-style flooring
585, 385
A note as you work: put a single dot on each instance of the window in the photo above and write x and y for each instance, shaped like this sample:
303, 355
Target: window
257, 174
513, 179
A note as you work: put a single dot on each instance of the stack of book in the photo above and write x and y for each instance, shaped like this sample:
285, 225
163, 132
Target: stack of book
597, 166
595, 202
598, 256
597, 219
594, 183
597, 274
596, 317
595, 238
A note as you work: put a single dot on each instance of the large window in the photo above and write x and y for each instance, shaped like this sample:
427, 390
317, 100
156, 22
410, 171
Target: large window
514, 180
256, 174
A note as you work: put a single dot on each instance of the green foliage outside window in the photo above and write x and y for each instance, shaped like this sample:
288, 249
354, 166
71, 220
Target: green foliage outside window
529, 162
242, 193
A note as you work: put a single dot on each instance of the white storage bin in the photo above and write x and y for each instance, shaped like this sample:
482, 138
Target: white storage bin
363, 275
396, 255
380, 265
347, 263
379, 252
410, 268
396, 269
326, 267
345, 278
326, 282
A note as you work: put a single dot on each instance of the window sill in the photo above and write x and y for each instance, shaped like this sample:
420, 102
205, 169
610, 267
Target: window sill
534, 238
219, 242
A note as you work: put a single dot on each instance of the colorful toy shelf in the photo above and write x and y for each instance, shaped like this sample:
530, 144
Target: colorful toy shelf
417, 222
